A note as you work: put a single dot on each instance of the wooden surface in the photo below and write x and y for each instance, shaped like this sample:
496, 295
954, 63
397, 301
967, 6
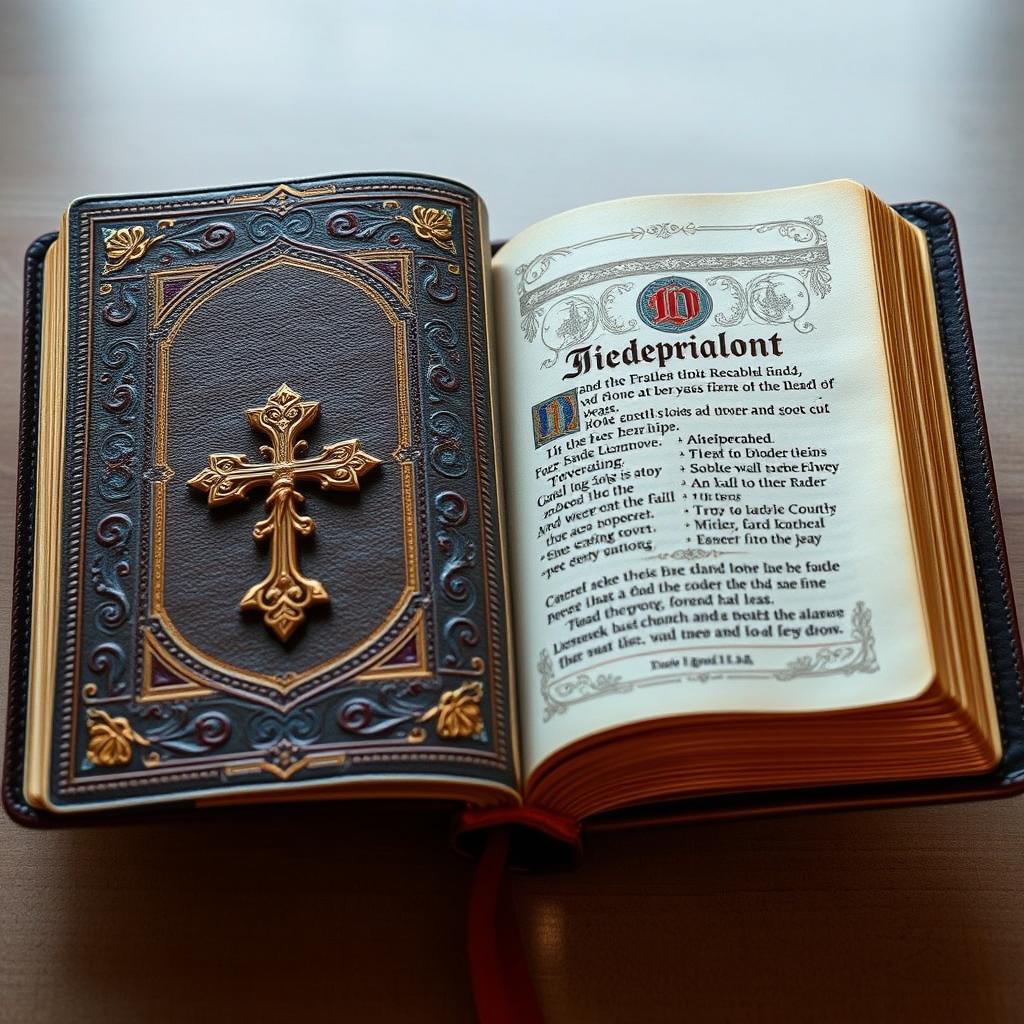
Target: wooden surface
354, 913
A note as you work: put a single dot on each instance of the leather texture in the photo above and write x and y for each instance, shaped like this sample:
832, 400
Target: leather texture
364, 294
14, 747
344, 337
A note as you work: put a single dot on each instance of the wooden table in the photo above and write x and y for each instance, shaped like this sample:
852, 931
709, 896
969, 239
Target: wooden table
355, 913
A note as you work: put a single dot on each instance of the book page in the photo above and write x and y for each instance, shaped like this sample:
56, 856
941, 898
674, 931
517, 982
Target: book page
706, 507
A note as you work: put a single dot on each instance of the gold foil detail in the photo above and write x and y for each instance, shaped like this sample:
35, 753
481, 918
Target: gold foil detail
126, 245
110, 739
284, 594
432, 225
458, 712
282, 195
286, 772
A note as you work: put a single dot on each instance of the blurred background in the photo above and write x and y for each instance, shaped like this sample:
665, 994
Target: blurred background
333, 913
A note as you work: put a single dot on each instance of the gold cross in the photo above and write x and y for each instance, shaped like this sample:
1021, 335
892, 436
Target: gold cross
284, 594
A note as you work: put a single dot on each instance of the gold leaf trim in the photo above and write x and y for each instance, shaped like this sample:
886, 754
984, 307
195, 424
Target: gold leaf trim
432, 225
279, 192
285, 773
111, 739
458, 712
126, 245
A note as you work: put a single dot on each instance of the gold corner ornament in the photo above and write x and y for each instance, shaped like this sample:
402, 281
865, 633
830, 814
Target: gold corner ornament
284, 594
458, 712
432, 225
126, 245
110, 739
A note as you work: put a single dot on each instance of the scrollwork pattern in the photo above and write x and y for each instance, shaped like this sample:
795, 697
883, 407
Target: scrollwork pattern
459, 632
392, 706
106, 577
804, 232
445, 293
107, 661
119, 359
558, 696
361, 220
460, 556
109, 567
267, 226
452, 508
773, 298
856, 655
202, 238
183, 729
443, 344
690, 554
114, 530
736, 313
118, 451
122, 308
447, 454
574, 319
301, 727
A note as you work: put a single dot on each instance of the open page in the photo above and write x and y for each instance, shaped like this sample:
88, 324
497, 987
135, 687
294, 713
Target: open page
706, 508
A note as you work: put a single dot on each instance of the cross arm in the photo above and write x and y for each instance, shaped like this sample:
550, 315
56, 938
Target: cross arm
338, 467
229, 478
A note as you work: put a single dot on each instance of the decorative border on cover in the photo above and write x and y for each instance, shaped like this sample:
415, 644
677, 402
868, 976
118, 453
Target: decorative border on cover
381, 726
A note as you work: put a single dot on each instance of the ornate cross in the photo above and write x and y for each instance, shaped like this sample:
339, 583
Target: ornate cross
284, 594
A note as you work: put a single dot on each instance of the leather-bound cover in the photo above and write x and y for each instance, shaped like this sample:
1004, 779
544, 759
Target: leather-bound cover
355, 306
534, 842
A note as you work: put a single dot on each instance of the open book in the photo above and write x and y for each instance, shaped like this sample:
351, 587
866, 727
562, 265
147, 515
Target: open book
319, 501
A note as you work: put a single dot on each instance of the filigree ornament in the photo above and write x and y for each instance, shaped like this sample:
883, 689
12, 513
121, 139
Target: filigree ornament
432, 225
284, 594
110, 739
840, 657
855, 655
567, 310
126, 245
458, 712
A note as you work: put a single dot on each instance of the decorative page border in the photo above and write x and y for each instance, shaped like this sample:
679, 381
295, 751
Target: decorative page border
561, 314
841, 657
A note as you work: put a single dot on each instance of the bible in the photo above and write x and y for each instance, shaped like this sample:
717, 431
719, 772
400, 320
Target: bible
676, 506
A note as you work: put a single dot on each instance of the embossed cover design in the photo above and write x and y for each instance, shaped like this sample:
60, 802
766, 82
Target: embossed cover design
281, 552
260, 549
